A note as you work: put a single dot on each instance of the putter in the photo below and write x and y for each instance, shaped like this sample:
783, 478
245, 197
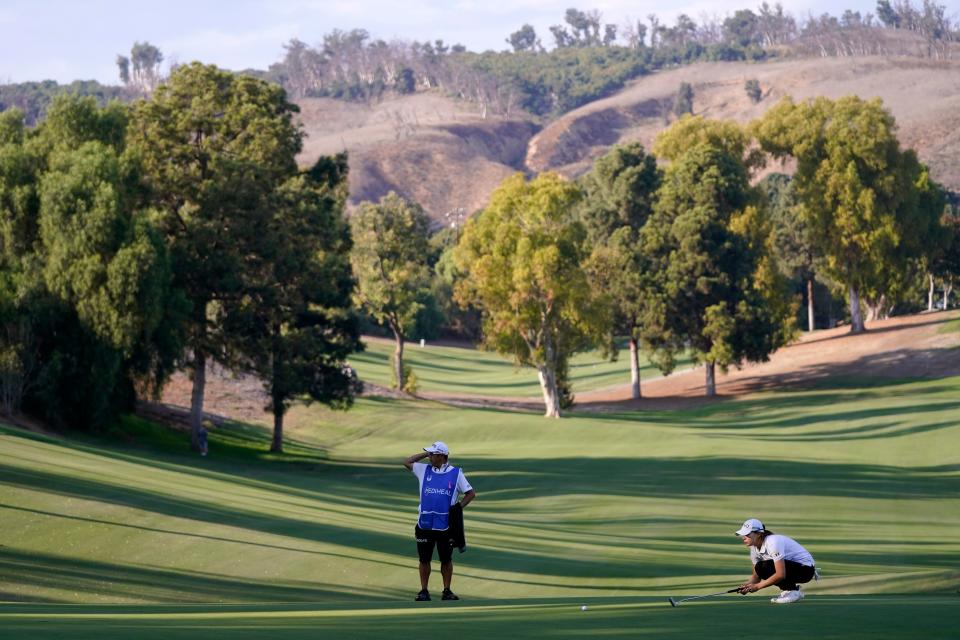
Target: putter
674, 602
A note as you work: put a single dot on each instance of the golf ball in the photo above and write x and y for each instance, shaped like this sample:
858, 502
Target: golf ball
583, 608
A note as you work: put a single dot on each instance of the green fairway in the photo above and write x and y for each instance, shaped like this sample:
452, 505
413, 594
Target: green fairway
456, 370
133, 536
928, 617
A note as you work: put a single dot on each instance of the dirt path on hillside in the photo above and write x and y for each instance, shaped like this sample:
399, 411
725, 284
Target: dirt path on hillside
902, 347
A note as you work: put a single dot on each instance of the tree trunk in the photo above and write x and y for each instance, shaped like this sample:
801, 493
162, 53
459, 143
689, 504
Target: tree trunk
276, 445
810, 304
930, 293
548, 384
276, 396
856, 315
196, 397
634, 369
547, 373
947, 288
398, 359
711, 383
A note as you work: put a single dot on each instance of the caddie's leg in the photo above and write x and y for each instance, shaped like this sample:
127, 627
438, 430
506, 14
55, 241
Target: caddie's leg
445, 552
425, 546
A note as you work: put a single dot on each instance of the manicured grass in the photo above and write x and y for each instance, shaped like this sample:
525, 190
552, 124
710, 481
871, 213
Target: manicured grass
841, 617
138, 538
951, 326
467, 371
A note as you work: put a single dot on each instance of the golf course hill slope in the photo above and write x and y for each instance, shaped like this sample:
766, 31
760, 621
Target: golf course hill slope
130, 534
445, 155
921, 346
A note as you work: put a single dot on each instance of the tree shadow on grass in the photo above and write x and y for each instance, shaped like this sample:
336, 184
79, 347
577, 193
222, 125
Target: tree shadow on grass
112, 581
550, 569
198, 537
695, 477
310, 522
905, 365
781, 411
871, 431
872, 329
539, 565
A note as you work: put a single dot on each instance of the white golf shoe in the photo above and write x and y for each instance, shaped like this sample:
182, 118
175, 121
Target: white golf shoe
786, 597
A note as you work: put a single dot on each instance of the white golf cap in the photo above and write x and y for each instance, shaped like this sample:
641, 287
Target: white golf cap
749, 526
438, 447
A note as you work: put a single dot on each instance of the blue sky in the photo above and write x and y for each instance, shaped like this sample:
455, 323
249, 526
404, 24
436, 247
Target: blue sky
66, 40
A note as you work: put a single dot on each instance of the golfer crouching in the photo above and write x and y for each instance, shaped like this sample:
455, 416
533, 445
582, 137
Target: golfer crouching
777, 561
440, 486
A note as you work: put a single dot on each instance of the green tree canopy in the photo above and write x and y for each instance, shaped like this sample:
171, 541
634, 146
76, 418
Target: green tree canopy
703, 289
525, 39
792, 247
945, 265
389, 258
870, 205
214, 147
296, 325
691, 131
619, 197
523, 257
88, 307
619, 191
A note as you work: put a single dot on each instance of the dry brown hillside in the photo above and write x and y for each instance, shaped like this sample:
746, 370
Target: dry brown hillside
923, 95
443, 154
434, 150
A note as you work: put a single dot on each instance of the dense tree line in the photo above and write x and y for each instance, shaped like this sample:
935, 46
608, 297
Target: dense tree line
590, 59
179, 231
135, 240
586, 60
174, 232
32, 99
690, 256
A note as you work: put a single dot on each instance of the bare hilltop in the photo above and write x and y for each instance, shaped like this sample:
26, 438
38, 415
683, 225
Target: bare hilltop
442, 153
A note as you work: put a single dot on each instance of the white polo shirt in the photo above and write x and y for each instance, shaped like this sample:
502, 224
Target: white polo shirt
777, 547
420, 469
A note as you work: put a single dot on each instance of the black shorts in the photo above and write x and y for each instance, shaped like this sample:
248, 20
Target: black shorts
796, 573
427, 539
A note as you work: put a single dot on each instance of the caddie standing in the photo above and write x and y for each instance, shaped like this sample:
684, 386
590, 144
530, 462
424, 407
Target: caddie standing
441, 485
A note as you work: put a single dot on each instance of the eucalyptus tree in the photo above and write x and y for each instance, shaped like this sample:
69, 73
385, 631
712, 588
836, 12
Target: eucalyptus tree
871, 206
389, 258
142, 69
522, 259
945, 265
524, 39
